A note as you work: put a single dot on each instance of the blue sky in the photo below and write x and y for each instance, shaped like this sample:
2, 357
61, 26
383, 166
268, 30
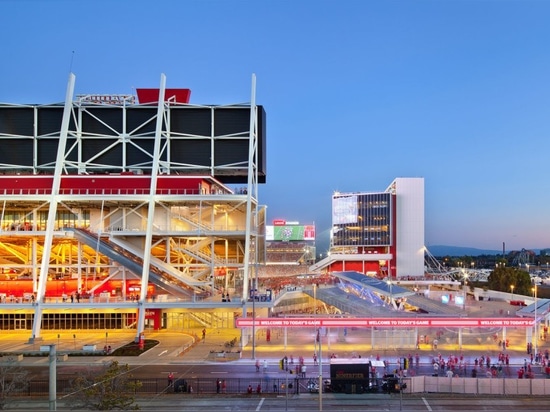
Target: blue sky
356, 92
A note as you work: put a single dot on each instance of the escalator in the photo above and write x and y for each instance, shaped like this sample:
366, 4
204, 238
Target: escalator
157, 264
134, 263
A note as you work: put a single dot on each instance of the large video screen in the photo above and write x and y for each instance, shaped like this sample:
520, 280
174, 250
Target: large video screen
290, 233
213, 140
344, 209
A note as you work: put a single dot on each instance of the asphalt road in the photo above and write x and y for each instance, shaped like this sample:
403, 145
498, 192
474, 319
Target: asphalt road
329, 402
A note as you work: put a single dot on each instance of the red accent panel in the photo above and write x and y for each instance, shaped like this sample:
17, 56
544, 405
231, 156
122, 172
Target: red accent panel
55, 288
152, 95
25, 183
355, 266
155, 315
106, 184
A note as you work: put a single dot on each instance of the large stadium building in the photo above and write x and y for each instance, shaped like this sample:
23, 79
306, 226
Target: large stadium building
379, 234
122, 211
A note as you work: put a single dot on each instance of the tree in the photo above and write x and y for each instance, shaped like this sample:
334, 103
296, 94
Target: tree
13, 379
503, 278
106, 389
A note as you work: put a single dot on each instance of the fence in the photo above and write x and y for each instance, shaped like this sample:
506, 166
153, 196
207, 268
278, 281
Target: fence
40, 387
416, 384
478, 386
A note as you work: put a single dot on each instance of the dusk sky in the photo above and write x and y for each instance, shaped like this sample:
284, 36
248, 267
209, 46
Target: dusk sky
357, 93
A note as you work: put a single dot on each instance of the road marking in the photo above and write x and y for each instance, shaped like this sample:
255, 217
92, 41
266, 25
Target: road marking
427, 404
163, 352
260, 404
218, 372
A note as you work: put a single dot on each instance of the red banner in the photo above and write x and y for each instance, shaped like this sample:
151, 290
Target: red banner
385, 322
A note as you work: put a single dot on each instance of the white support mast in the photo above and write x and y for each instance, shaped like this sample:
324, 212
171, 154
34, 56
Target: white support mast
252, 191
52, 212
151, 208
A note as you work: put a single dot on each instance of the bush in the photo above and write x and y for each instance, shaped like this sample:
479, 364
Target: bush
132, 348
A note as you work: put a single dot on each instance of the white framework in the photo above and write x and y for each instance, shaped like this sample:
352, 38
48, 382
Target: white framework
184, 236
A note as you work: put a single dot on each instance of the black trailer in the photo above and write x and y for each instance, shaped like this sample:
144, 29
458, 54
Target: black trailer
351, 375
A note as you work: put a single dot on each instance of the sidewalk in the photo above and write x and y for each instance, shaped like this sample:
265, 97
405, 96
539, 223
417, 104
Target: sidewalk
356, 343
475, 343
299, 342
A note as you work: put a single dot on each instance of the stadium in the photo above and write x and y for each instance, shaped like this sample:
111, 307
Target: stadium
142, 213
123, 211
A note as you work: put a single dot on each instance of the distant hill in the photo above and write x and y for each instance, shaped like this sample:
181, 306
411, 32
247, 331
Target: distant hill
439, 250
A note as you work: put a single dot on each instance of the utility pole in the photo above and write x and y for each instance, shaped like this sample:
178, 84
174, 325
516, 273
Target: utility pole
53, 378
320, 372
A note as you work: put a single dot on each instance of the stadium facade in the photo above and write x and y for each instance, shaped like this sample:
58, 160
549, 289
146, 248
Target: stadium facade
379, 234
123, 211
290, 249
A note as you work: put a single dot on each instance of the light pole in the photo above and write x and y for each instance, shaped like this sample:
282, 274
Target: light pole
535, 295
391, 293
53, 378
465, 291
314, 298
320, 352
512, 288
320, 373
536, 321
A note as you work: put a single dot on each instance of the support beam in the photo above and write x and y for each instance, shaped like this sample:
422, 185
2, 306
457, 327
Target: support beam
251, 185
151, 209
52, 212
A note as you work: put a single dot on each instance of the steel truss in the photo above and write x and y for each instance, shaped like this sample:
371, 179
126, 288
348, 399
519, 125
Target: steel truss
185, 236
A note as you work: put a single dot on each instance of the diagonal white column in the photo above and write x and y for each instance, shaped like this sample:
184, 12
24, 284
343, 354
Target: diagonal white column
52, 212
151, 209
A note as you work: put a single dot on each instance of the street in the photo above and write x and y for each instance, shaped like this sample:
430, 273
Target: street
330, 402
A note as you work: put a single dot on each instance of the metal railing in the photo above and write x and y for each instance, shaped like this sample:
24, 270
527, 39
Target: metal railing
298, 385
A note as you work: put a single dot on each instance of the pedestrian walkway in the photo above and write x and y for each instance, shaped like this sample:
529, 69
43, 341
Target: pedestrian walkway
181, 347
